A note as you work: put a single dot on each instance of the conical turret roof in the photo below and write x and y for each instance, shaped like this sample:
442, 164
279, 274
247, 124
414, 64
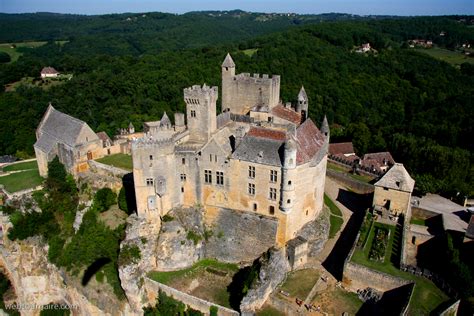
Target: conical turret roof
302, 94
228, 62
165, 120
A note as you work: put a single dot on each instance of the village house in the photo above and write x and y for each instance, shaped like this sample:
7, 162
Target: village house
49, 72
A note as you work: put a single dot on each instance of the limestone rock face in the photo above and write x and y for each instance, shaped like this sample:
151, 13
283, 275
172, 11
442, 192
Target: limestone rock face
316, 233
272, 273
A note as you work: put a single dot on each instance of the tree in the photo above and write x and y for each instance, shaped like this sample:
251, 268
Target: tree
122, 200
104, 198
57, 174
4, 58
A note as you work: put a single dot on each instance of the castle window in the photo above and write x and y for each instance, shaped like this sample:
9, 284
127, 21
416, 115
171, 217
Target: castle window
270, 119
289, 182
193, 113
251, 189
151, 157
149, 182
183, 177
254, 207
182, 190
251, 172
273, 175
210, 157
183, 161
271, 210
208, 176
220, 178
288, 201
273, 194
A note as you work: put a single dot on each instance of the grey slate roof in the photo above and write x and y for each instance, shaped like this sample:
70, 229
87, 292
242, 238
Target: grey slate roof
259, 150
57, 127
397, 178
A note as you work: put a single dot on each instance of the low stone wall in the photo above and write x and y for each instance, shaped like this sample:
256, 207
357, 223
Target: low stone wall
361, 277
358, 186
106, 170
152, 288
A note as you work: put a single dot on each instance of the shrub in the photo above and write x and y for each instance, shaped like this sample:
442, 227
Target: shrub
213, 310
193, 236
103, 199
122, 200
129, 254
167, 218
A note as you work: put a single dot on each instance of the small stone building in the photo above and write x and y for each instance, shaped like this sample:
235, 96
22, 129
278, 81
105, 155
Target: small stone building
71, 139
393, 191
297, 252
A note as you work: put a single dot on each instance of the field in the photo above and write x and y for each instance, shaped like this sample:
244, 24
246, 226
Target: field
250, 52
299, 283
426, 296
341, 169
454, 58
13, 50
21, 180
207, 279
118, 160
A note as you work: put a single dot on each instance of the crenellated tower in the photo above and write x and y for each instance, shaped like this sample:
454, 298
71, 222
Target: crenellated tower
201, 111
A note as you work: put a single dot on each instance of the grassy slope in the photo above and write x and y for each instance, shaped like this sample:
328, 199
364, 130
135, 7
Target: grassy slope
454, 58
21, 166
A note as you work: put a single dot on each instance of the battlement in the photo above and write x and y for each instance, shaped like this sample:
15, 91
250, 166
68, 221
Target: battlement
192, 94
149, 142
257, 78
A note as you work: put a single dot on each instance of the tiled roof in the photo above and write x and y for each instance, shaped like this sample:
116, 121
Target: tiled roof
104, 137
383, 158
397, 178
309, 140
49, 71
341, 148
287, 114
267, 133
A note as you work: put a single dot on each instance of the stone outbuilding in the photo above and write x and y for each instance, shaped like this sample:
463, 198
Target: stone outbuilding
297, 252
393, 191
71, 139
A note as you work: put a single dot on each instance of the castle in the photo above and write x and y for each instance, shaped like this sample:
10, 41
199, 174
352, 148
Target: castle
258, 155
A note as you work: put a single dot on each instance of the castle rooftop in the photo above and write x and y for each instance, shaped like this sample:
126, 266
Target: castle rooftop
287, 114
310, 140
397, 178
228, 61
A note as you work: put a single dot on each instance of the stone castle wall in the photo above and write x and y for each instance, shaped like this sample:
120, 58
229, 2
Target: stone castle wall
359, 277
152, 288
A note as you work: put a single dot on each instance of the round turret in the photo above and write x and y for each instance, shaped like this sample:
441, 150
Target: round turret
290, 153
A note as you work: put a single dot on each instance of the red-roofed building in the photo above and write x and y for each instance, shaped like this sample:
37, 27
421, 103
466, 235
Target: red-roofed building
345, 149
49, 72
377, 162
267, 133
287, 114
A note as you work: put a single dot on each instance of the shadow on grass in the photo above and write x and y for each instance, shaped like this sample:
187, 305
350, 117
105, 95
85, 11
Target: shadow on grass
357, 203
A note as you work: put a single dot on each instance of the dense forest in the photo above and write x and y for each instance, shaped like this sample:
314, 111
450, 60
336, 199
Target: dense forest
127, 68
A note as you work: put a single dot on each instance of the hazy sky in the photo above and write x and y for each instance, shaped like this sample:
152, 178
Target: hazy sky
362, 7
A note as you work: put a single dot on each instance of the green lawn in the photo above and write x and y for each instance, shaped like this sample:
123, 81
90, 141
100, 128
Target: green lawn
426, 296
454, 58
21, 180
250, 52
118, 160
299, 283
337, 168
168, 277
336, 223
346, 170
21, 166
418, 221
334, 209
15, 54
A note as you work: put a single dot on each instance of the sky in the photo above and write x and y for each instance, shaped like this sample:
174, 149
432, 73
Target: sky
360, 7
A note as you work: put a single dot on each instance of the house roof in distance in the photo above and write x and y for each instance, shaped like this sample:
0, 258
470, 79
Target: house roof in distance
341, 148
49, 71
104, 137
397, 178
